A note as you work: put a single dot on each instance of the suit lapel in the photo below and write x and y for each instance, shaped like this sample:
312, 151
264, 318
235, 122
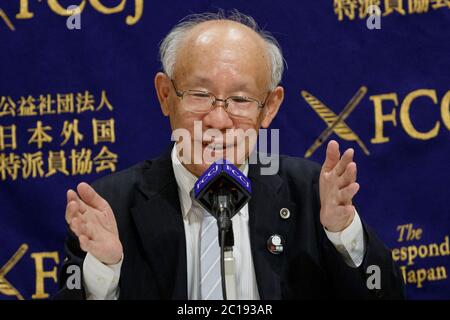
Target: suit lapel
158, 219
265, 221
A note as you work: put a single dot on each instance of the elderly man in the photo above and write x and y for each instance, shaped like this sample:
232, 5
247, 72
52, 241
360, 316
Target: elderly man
137, 234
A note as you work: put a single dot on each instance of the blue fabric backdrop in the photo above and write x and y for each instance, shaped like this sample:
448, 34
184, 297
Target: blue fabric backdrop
57, 84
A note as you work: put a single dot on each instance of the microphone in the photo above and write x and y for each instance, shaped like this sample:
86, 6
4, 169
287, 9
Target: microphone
223, 190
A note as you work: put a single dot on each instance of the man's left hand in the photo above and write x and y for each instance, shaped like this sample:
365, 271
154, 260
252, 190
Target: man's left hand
338, 186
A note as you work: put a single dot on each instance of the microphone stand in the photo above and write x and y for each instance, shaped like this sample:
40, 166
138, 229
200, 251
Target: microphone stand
225, 227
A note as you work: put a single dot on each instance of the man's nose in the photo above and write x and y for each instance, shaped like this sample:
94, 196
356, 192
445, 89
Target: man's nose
218, 117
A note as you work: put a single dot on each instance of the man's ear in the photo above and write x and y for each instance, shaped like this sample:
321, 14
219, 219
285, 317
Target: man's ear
272, 106
162, 86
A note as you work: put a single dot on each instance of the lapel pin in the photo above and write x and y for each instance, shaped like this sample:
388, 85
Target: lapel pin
275, 244
285, 213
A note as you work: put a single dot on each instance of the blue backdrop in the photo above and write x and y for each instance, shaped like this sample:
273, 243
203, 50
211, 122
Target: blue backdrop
78, 104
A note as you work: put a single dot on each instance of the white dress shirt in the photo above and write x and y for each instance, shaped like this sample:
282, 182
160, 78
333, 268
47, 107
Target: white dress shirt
101, 281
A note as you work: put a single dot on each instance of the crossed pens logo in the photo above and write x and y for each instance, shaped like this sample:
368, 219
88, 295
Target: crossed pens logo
6, 20
6, 288
335, 123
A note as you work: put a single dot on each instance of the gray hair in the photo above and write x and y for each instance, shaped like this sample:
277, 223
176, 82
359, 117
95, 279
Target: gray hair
170, 44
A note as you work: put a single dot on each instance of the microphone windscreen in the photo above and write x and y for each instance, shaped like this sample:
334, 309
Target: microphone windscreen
222, 174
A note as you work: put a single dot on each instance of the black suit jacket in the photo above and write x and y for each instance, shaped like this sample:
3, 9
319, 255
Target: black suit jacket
145, 201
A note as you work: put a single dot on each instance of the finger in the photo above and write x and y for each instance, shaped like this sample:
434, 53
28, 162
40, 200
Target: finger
332, 156
349, 175
84, 212
83, 217
346, 194
347, 157
88, 213
71, 210
90, 197
75, 226
82, 206
84, 243
71, 195
92, 218
87, 229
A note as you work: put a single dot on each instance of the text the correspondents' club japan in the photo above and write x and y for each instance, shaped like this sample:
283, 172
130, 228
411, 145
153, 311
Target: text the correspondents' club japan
56, 146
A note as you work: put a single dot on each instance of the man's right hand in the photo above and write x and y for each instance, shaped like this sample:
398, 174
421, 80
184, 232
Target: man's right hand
91, 218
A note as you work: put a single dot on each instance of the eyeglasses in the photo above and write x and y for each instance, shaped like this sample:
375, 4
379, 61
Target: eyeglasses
199, 101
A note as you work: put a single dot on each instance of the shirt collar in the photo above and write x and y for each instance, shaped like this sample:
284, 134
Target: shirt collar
186, 181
